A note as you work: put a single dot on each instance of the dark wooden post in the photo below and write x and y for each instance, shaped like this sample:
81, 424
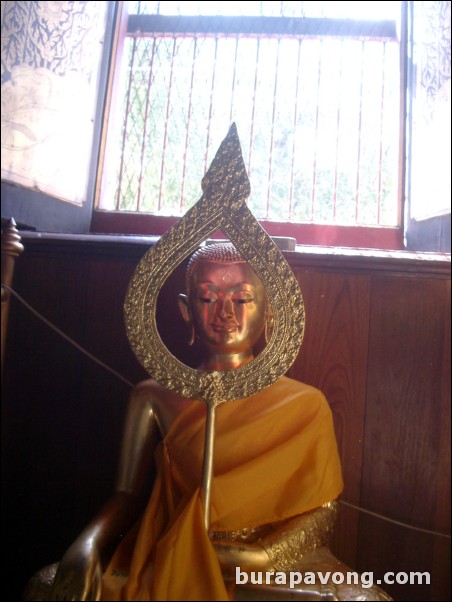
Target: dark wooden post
11, 248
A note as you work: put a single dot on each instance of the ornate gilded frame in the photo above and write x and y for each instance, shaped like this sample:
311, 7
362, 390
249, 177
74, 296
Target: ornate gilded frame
221, 207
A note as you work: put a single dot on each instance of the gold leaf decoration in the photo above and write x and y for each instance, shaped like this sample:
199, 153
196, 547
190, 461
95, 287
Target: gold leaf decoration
222, 207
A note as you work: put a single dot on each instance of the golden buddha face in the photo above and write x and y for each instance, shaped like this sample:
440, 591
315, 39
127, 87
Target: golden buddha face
227, 309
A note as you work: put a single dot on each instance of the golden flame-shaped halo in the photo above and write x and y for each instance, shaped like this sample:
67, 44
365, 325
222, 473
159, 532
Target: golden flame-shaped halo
221, 207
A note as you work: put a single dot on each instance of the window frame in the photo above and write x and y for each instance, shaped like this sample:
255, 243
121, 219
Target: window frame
35, 210
379, 237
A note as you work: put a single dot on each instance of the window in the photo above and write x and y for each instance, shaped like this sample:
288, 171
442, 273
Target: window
316, 98
429, 128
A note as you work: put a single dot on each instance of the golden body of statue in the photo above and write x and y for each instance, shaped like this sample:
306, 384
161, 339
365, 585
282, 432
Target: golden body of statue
275, 479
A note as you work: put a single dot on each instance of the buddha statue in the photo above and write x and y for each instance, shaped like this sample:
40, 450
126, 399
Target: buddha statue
276, 475
229, 474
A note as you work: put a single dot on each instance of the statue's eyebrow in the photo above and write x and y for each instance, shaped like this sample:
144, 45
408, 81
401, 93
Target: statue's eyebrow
242, 286
206, 284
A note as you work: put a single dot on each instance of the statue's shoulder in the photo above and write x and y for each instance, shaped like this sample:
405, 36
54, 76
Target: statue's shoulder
150, 393
166, 405
298, 386
306, 394
146, 391
148, 386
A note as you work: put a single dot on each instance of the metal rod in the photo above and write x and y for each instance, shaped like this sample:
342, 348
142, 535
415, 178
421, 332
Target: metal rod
207, 467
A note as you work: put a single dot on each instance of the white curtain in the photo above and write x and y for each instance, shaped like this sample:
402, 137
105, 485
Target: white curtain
50, 59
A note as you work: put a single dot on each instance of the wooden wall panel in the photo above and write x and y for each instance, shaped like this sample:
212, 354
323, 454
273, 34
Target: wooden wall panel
441, 561
61, 414
377, 343
405, 419
333, 357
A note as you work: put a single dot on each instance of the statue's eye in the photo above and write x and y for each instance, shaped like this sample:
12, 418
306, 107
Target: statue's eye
207, 297
243, 297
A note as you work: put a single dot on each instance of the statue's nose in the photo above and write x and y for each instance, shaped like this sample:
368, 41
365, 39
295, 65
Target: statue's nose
226, 308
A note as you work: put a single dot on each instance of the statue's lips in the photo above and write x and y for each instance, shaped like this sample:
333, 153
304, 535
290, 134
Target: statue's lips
224, 327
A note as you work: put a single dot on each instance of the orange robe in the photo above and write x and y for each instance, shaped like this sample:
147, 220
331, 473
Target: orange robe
275, 457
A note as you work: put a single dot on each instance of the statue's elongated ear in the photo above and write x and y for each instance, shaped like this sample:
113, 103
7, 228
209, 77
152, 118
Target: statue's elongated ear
185, 311
182, 301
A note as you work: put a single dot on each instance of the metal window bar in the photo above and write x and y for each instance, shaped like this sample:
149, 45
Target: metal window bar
125, 129
211, 96
146, 119
234, 76
253, 108
358, 166
190, 102
317, 111
380, 154
165, 137
272, 131
338, 125
294, 139
266, 26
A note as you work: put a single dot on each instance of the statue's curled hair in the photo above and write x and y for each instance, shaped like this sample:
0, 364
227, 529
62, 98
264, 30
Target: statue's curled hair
221, 252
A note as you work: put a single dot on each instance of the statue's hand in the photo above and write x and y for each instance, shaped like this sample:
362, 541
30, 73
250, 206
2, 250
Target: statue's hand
79, 573
232, 554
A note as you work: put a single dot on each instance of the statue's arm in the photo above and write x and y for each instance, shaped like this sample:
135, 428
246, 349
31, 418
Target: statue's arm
285, 546
79, 571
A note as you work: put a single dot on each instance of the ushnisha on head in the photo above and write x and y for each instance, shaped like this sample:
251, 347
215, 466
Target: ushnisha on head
225, 307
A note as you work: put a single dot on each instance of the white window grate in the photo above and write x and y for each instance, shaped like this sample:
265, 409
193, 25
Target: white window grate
317, 113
